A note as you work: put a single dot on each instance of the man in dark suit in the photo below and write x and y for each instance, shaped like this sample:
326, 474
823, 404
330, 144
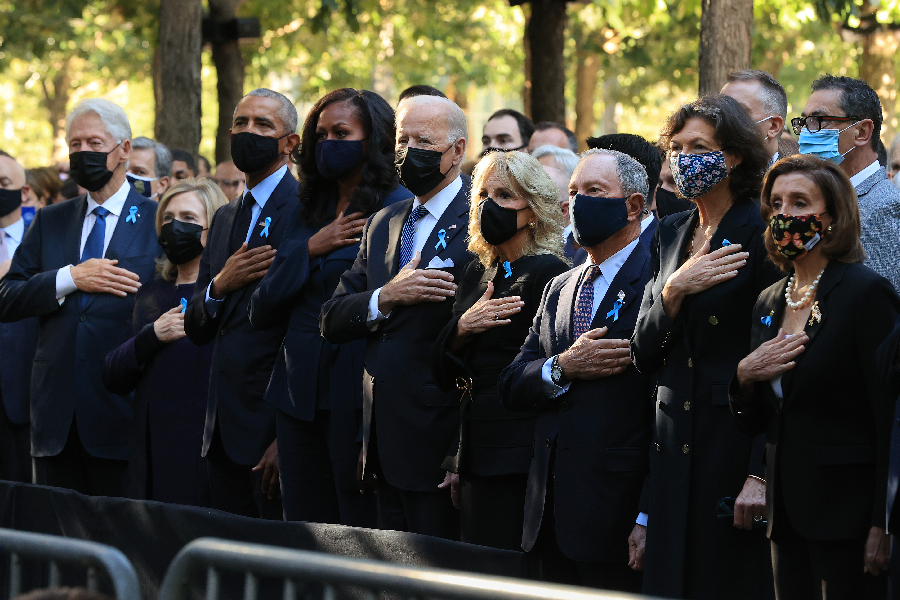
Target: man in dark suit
239, 439
398, 297
18, 341
592, 437
78, 268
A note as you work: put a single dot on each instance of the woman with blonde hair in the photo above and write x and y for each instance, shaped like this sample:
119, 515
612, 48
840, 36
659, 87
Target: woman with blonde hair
168, 373
515, 232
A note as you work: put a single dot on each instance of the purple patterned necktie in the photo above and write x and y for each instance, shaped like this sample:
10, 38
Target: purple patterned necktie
584, 304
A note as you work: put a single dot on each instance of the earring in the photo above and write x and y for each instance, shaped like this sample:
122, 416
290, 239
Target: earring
828, 229
532, 224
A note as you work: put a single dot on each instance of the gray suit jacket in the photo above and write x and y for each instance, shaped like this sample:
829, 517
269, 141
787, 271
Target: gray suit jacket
879, 212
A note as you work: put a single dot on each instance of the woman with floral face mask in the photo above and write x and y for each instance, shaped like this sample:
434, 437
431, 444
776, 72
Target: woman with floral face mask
811, 385
709, 267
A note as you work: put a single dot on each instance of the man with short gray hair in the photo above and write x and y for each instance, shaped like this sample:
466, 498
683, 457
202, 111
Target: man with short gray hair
553, 156
78, 268
765, 101
593, 430
150, 167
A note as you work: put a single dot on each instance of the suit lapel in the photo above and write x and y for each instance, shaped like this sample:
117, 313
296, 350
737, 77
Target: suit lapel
395, 237
621, 283
72, 244
565, 309
683, 229
452, 222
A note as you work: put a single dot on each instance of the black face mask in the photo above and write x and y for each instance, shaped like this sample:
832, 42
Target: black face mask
88, 169
595, 220
252, 152
10, 200
498, 224
668, 203
336, 158
420, 170
181, 241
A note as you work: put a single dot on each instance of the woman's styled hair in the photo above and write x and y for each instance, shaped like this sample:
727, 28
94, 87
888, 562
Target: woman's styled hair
523, 175
379, 176
841, 241
212, 198
735, 132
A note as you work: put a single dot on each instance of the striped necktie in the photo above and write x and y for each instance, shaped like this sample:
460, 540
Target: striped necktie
584, 304
408, 241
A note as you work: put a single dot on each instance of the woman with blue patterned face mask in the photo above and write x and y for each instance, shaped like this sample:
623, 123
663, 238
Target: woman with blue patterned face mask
693, 327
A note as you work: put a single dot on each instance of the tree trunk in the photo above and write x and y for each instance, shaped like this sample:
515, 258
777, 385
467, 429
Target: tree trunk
458, 93
876, 67
546, 31
178, 108
725, 41
229, 63
56, 98
609, 122
526, 92
585, 89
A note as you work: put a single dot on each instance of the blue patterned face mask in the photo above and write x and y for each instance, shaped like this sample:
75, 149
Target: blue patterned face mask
696, 174
824, 144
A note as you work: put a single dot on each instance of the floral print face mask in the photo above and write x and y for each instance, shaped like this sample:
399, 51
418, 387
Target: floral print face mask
696, 174
795, 236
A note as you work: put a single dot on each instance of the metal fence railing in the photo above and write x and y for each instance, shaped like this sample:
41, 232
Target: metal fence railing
299, 568
55, 550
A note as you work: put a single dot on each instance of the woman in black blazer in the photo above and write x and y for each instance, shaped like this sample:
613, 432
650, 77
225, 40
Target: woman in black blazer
515, 231
812, 386
346, 157
709, 265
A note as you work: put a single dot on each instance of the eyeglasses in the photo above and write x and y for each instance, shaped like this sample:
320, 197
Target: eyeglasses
813, 123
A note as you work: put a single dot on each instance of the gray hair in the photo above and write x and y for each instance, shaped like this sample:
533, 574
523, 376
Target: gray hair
566, 160
773, 97
287, 113
632, 175
111, 115
162, 163
457, 129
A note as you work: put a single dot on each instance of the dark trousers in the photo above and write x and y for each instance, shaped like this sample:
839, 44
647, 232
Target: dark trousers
492, 510
317, 462
236, 488
547, 561
76, 469
15, 450
417, 512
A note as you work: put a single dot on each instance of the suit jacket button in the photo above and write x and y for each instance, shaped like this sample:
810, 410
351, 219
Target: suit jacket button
713, 320
658, 447
686, 449
690, 364
385, 338
549, 443
222, 331
82, 318
664, 362
687, 405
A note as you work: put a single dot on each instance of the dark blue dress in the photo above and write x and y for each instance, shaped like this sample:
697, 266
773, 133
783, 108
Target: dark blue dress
170, 383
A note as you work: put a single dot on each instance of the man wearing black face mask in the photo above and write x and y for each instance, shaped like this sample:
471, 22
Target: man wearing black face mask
593, 433
18, 340
396, 296
78, 268
239, 439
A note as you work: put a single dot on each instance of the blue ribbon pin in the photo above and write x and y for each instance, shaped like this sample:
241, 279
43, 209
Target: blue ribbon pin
183, 304
725, 242
767, 321
442, 240
614, 313
132, 215
265, 232
508, 268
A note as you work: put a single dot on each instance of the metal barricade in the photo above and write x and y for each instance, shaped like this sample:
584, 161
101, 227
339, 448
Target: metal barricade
91, 555
299, 567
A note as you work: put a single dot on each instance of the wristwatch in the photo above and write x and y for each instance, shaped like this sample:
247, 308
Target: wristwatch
556, 372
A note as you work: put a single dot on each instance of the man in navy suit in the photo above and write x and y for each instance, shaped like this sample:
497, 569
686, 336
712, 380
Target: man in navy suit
239, 439
18, 341
398, 296
78, 268
591, 448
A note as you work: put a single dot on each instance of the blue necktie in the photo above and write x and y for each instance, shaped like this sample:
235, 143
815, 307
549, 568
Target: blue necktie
93, 246
408, 241
584, 305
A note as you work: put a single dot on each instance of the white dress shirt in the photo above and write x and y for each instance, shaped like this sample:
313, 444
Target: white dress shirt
424, 226
262, 191
65, 285
865, 174
13, 235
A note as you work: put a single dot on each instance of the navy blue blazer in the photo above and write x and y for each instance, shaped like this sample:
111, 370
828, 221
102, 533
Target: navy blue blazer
580, 256
73, 340
293, 292
601, 427
417, 423
243, 356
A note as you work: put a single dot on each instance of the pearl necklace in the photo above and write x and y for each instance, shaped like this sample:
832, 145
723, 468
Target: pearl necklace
806, 297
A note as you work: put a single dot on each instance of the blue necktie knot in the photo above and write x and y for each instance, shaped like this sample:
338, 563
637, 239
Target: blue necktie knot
101, 213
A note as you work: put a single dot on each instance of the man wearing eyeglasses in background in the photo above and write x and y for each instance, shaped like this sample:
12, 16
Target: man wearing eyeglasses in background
841, 122
230, 179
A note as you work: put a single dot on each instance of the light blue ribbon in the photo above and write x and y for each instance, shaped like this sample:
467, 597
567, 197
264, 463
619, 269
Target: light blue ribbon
442, 240
614, 313
183, 304
265, 232
508, 268
725, 242
767, 321
132, 215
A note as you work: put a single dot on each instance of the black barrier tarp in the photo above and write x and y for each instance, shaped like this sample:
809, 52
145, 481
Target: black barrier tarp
151, 533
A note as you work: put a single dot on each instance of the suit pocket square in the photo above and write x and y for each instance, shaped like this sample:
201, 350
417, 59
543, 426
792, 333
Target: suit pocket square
437, 263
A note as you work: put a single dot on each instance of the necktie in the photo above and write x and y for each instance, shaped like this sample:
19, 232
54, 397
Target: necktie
408, 241
242, 224
4, 249
584, 304
93, 245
